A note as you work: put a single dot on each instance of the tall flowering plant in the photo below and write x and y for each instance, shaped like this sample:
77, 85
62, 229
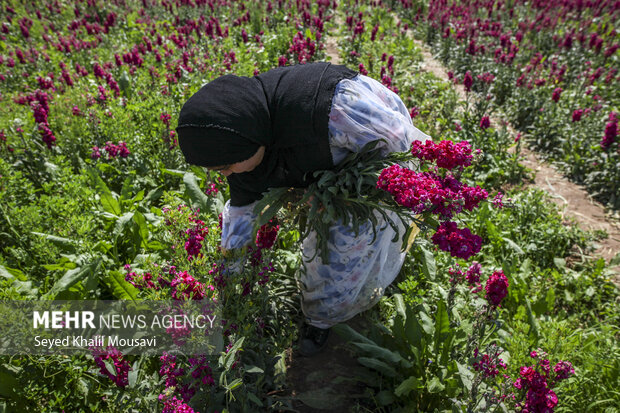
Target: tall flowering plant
194, 267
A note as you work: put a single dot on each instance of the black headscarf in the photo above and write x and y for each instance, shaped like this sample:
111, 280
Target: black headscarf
285, 109
225, 122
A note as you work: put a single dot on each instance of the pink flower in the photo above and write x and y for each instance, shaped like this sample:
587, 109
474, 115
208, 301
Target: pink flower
473, 273
497, 201
577, 113
186, 287
170, 369
425, 191
563, 369
555, 96
496, 288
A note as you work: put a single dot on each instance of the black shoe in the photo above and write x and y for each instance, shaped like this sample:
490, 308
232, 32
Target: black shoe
312, 340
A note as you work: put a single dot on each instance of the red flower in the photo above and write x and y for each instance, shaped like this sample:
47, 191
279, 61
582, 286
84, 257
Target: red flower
497, 288
266, 236
458, 242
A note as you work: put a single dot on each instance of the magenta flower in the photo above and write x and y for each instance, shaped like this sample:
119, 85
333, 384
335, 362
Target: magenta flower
577, 113
473, 273
424, 191
486, 77
563, 370
488, 366
555, 96
170, 369
47, 135
458, 242
121, 366
123, 151
174, 405
468, 81
611, 131
485, 122
194, 241
446, 153
496, 288
186, 287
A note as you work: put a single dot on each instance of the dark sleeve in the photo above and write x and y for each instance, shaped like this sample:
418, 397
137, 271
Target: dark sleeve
241, 193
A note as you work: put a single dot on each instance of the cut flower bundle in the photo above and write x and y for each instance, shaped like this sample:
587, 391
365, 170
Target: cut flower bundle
366, 185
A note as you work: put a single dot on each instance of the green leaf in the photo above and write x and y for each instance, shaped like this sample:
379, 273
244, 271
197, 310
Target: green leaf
234, 384
399, 304
321, 399
429, 267
517, 249
152, 196
435, 385
254, 369
198, 198
229, 358
534, 328
121, 288
466, 375
142, 228
132, 376
11, 273
72, 277
442, 324
385, 398
122, 223
350, 334
404, 388
109, 203
8, 383
254, 399
378, 365
64, 244
383, 353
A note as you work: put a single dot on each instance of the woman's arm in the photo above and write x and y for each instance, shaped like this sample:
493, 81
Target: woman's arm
237, 225
363, 110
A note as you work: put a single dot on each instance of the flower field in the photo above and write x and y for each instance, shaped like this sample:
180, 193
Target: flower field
550, 67
500, 306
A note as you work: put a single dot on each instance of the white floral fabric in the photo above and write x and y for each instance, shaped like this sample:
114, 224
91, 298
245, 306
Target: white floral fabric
359, 269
